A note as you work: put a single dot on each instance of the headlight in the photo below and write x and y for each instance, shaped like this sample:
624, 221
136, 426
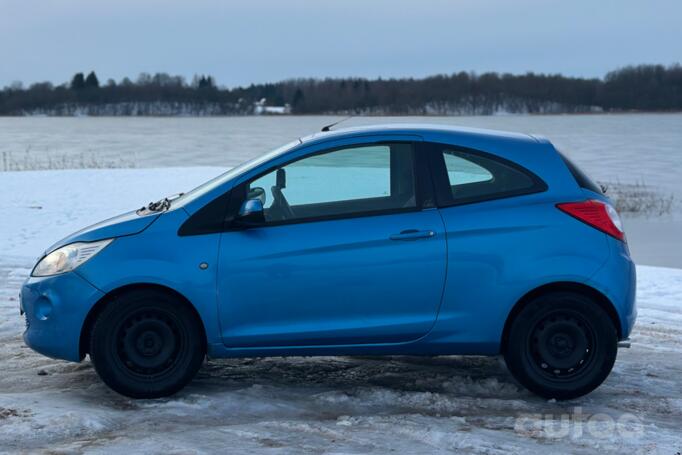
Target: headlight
68, 257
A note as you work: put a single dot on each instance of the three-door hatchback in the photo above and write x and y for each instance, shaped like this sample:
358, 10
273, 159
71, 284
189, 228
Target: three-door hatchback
387, 240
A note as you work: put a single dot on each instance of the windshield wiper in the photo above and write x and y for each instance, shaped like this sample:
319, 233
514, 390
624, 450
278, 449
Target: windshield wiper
161, 205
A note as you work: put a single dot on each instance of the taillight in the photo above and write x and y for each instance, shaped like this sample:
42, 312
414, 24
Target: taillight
597, 214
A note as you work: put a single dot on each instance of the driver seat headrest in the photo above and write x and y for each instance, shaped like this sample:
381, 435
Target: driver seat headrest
281, 178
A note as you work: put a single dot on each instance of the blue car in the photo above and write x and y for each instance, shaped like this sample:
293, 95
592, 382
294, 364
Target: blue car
386, 240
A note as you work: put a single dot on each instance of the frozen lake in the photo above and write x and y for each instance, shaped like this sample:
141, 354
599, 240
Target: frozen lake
629, 148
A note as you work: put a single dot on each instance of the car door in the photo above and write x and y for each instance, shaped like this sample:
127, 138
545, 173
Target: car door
351, 252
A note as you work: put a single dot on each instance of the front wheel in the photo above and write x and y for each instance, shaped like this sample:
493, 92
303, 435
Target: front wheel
561, 345
147, 344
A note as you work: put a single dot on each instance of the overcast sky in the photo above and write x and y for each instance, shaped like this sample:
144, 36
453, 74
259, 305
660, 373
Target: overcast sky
239, 42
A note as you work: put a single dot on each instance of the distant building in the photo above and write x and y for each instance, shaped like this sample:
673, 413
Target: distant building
259, 108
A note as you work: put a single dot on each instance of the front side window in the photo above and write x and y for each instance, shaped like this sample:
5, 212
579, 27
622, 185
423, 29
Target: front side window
347, 181
475, 177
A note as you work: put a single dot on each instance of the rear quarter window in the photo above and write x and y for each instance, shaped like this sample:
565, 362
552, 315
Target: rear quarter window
471, 176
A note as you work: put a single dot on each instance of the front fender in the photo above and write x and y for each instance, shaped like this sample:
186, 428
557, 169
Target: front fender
160, 257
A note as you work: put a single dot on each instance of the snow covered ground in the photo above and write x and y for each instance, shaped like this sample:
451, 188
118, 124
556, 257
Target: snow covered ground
310, 405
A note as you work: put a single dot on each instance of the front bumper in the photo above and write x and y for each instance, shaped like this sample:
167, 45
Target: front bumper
55, 308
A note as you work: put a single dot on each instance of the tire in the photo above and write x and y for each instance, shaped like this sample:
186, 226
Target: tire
147, 344
561, 345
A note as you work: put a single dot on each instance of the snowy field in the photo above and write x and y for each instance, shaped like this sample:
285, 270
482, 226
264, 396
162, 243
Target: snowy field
310, 405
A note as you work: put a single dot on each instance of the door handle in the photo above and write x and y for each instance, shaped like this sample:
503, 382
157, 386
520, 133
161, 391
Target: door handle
412, 234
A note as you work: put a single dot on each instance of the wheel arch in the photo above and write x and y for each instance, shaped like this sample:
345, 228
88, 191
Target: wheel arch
561, 286
97, 308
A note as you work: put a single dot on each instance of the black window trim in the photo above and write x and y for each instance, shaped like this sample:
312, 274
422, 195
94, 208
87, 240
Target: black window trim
441, 181
210, 219
581, 178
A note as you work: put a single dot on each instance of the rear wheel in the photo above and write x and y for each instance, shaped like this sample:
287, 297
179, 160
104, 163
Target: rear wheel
561, 345
147, 344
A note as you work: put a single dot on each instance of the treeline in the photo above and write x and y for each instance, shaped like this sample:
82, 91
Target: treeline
633, 88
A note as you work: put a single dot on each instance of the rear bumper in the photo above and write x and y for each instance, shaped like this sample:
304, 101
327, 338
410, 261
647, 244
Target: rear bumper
617, 280
55, 309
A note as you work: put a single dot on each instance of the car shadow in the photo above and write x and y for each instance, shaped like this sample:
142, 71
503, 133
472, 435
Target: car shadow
479, 376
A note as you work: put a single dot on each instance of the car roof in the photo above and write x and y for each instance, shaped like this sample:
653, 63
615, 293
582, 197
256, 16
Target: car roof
426, 130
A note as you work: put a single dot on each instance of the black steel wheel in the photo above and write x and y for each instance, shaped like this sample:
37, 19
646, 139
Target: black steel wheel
561, 345
147, 344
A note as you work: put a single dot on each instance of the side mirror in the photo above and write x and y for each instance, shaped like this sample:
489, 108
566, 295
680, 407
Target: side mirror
251, 213
256, 193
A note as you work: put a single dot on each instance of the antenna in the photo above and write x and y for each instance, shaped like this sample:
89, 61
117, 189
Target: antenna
328, 127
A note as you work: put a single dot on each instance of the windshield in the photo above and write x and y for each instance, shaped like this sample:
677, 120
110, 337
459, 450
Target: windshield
230, 174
